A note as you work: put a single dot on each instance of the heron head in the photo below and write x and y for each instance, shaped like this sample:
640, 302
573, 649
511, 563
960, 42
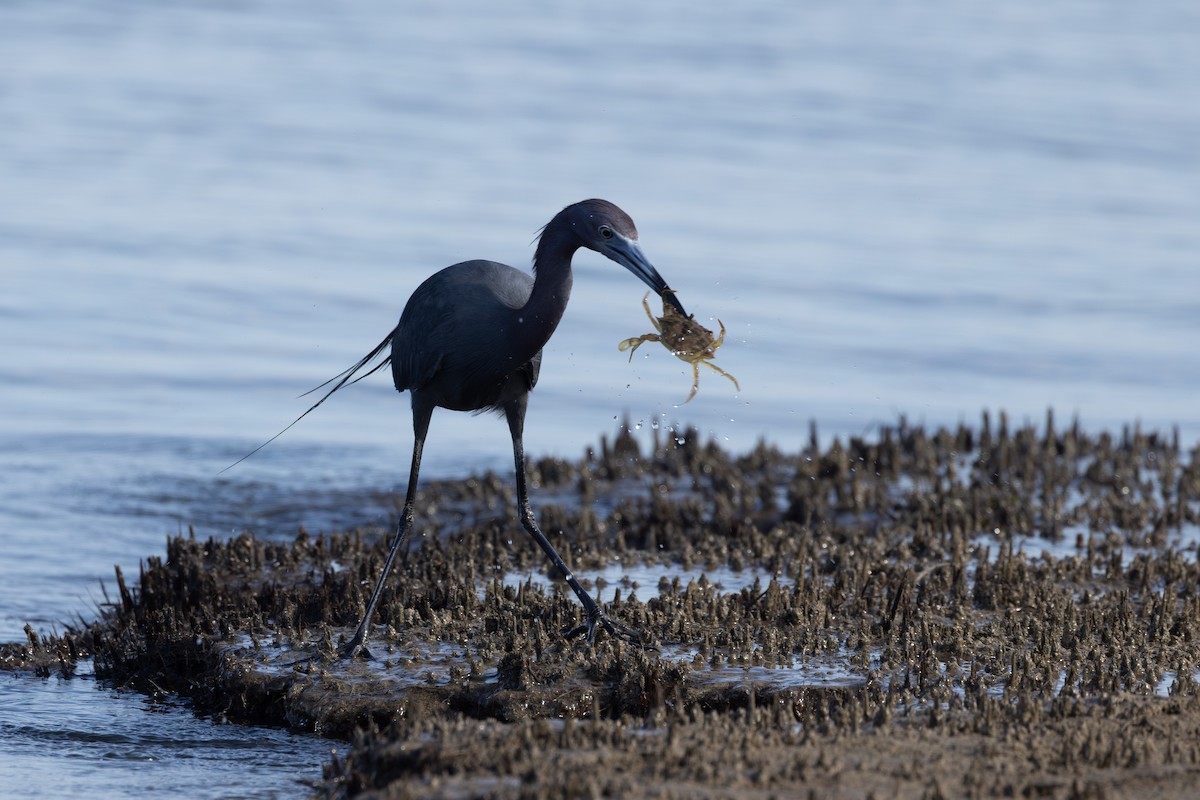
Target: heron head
605, 228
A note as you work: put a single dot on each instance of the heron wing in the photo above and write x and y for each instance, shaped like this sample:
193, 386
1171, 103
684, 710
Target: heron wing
452, 337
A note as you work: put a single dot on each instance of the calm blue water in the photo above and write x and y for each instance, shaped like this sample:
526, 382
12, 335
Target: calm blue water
208, 208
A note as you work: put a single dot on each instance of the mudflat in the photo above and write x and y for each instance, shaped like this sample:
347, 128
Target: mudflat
984, 611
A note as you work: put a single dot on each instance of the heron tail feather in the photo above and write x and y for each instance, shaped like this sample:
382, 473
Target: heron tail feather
341, 379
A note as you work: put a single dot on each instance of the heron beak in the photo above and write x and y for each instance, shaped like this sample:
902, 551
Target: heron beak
628, 253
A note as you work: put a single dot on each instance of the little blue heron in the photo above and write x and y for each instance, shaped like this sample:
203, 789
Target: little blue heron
471, 339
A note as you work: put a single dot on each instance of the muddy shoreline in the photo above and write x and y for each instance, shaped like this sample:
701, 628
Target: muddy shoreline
970, 612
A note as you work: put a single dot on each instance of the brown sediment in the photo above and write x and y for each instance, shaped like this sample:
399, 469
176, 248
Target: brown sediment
960, 612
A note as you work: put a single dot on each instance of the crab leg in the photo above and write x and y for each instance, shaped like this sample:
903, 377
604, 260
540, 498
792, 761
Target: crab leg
636, 342
711, 365
695, 381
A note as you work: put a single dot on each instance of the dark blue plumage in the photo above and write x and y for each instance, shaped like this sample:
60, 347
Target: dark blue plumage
471, 338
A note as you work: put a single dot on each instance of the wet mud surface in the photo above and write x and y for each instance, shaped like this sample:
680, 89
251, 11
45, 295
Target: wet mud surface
974, 612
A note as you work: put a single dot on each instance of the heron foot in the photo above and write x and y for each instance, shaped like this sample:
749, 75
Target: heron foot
355, 648
614, 628
349, 653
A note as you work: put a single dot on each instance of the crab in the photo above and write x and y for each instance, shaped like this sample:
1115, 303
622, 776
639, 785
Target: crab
687, 339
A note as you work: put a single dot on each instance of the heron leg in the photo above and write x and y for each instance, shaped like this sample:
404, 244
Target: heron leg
421, 415
595, 617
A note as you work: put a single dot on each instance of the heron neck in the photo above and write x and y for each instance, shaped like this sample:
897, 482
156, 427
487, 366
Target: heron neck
551, 289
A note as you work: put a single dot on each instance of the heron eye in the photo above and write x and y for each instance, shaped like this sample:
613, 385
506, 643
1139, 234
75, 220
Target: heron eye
606, 232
